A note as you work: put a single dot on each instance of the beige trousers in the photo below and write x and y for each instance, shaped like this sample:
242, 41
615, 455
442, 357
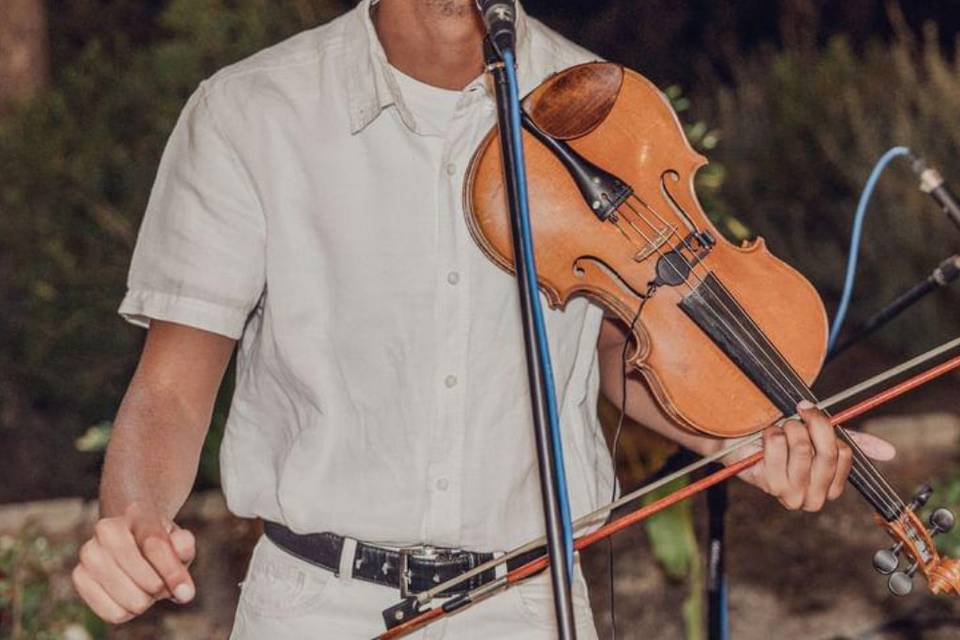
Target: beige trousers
284, 598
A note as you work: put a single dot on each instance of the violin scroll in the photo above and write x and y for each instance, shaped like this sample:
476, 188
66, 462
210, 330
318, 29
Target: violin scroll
915, 541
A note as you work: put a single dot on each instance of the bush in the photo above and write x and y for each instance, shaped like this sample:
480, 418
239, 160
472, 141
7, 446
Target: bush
801, 129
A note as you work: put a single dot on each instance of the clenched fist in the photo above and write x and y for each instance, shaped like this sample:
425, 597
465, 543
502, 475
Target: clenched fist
131, 562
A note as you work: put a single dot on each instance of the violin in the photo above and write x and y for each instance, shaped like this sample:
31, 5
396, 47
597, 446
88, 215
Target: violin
728, 338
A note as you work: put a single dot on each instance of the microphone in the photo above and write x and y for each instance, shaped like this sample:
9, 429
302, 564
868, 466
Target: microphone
499, 16
932, 182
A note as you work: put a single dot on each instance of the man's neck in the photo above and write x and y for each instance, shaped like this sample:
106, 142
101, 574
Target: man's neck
439, 42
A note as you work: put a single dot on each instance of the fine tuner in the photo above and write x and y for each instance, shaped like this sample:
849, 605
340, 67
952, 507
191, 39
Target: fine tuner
916, 540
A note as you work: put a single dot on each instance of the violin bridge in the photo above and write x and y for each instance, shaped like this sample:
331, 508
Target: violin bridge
653, 244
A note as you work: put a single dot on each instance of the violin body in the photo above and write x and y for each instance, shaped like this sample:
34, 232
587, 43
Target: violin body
693, 299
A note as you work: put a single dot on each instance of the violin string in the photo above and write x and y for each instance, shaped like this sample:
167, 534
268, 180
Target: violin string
865, 476
634, 227
876, 495
870, 484
692, 290
860, 458
891, 373
799, 391
779, 381
863, 468
790, 375
883, 497
864, 473
629, 239
868, 468
861, 461
660, 218
702, 285
799, 385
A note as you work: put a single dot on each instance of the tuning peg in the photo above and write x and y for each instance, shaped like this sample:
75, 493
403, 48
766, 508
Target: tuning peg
921, 496
886, 561
941, 521
901, 582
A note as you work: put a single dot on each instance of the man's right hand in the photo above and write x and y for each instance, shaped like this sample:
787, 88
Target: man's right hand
131, 562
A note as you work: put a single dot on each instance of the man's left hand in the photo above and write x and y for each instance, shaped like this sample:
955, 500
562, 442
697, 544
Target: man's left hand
804, 464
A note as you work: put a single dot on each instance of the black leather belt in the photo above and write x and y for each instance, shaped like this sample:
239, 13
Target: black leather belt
410, 570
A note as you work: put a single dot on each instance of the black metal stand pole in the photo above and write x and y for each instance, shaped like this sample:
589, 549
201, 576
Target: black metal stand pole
716, 561
942, 276
560, 577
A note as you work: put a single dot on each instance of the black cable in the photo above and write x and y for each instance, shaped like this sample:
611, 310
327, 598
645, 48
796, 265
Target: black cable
616, 445
945, 274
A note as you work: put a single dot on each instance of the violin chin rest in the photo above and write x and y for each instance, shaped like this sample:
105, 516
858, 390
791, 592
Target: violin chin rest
575, 101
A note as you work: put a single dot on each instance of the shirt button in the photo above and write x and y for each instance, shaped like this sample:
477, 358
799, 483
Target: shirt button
442, 484
451, 168
451, 382
453, 277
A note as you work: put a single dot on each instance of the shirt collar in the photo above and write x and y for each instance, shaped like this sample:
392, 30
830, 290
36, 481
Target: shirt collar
372, 87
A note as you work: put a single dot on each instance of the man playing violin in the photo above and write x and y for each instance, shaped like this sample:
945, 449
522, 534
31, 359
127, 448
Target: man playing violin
307, 211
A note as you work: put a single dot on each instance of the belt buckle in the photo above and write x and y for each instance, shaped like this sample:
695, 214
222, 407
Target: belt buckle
419, 552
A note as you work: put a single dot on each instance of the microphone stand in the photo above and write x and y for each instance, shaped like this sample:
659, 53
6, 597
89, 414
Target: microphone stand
942, 276
536, 375
717, 498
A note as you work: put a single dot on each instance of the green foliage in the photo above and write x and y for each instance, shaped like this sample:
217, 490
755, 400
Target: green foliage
709, 180
947, 495
95, 439
674, 544
36, 600
671, 533
77, 164
802, 129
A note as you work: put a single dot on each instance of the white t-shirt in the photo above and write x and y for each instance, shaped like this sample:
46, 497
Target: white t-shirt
432, 107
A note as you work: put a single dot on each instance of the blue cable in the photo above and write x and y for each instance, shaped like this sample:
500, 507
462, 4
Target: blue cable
541, 332
724, 611
878, 169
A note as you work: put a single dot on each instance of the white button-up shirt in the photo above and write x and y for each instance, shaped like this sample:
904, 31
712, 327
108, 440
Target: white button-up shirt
381, 382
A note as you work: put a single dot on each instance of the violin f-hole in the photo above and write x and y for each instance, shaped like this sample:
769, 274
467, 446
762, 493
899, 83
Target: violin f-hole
674, 204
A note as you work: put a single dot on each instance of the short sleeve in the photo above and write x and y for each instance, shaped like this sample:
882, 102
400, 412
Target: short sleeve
200, 252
